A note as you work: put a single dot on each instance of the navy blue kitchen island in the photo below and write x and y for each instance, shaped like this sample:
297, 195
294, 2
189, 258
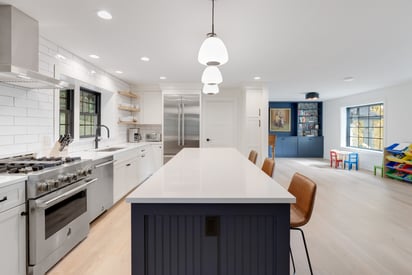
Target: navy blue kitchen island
210, 211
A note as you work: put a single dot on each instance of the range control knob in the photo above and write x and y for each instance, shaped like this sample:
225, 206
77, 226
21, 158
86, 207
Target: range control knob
82, 172
42, 186
52, 184
72, 177
89, 171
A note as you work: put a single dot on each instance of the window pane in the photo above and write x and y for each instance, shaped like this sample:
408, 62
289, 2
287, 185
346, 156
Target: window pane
363, 111
365, 127
353, 112
375, 122
375, 110
363, 132
375, 132
354, 122
65, 121
354, 142
89, 117
363, 122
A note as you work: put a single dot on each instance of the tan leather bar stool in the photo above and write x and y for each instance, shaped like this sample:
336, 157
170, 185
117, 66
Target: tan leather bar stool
304, 189
268, 166
253, 156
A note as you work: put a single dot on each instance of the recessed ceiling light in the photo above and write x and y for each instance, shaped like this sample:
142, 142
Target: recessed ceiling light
348, 78
119, 72
92, 71
162, 77
104, 15
144, 58
59, 56
94, 56
257, 78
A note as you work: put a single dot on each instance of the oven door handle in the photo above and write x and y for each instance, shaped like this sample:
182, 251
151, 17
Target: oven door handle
46, 204
104, 164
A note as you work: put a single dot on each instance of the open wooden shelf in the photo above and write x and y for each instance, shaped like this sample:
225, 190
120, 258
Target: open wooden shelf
128, 122
128, 94
129, 109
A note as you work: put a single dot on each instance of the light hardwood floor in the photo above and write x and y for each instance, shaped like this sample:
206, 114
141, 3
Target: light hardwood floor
361, 224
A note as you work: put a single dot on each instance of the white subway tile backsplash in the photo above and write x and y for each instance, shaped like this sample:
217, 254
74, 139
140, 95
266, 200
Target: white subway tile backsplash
16, 149
12, 130
27, 139
13, 111
41, 130
6, 101
6, 140
45, 105
6, 120
40, 95
39, 113
21, 121
40, 121
26, 117
13, 92
24, 102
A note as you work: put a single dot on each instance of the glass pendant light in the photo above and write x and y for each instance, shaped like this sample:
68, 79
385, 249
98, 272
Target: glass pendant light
212, 75
210, 89
213, 51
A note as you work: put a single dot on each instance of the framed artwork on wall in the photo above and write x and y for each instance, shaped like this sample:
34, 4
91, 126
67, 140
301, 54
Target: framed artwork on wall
279, 120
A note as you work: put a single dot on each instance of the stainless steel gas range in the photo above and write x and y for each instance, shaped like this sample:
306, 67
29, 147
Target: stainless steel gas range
56, 206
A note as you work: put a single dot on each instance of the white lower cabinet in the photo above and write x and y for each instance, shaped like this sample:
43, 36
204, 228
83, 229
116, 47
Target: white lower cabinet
145, 164
125, 177
12, 230
133, 167
157, 156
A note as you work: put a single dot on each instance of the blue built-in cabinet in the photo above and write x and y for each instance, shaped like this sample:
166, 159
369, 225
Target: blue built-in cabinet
304, 137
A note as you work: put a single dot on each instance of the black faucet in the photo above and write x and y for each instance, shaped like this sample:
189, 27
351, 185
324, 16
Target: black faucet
96, 138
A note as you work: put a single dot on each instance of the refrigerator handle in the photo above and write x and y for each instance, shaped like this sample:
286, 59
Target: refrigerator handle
183, 125
178, 124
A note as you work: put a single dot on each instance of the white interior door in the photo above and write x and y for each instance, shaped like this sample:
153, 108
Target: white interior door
219, 123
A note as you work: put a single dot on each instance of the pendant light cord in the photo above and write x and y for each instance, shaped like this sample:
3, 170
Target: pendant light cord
213, 18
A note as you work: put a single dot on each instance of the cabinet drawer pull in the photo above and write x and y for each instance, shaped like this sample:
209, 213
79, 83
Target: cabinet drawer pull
3, 199
128, 164
143, 156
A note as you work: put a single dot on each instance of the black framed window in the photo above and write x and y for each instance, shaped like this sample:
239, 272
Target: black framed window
365, 127
66, 113
89, 112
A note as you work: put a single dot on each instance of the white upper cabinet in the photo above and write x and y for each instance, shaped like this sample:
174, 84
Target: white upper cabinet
151, 107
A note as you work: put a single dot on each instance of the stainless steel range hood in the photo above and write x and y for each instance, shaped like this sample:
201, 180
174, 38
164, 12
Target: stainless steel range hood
19, 52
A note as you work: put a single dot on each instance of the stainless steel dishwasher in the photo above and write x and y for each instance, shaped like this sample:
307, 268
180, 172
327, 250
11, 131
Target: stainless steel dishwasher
101, 191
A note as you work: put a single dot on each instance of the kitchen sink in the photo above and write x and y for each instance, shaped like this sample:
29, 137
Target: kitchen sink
110, 149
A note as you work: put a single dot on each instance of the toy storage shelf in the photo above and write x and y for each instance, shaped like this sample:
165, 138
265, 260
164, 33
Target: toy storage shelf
398, 162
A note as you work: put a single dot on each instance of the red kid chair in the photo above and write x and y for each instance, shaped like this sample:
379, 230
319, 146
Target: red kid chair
334, 159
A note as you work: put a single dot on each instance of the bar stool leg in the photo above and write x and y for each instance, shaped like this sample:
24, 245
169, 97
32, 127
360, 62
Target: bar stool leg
293, 261
306, 248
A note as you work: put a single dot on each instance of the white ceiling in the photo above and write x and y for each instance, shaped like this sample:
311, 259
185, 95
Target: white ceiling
295, 46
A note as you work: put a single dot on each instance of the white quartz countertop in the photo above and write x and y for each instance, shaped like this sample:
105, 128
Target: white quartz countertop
95, 154
210, 175
8, 180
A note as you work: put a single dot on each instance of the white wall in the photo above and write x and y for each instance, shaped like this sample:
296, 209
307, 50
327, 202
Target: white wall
27, 118
397, 105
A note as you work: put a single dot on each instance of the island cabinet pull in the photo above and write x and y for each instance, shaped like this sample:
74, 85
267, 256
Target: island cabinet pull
3, 199
128, 164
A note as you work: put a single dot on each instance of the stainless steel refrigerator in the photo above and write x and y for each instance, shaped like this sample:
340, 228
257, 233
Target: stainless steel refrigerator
180, 123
